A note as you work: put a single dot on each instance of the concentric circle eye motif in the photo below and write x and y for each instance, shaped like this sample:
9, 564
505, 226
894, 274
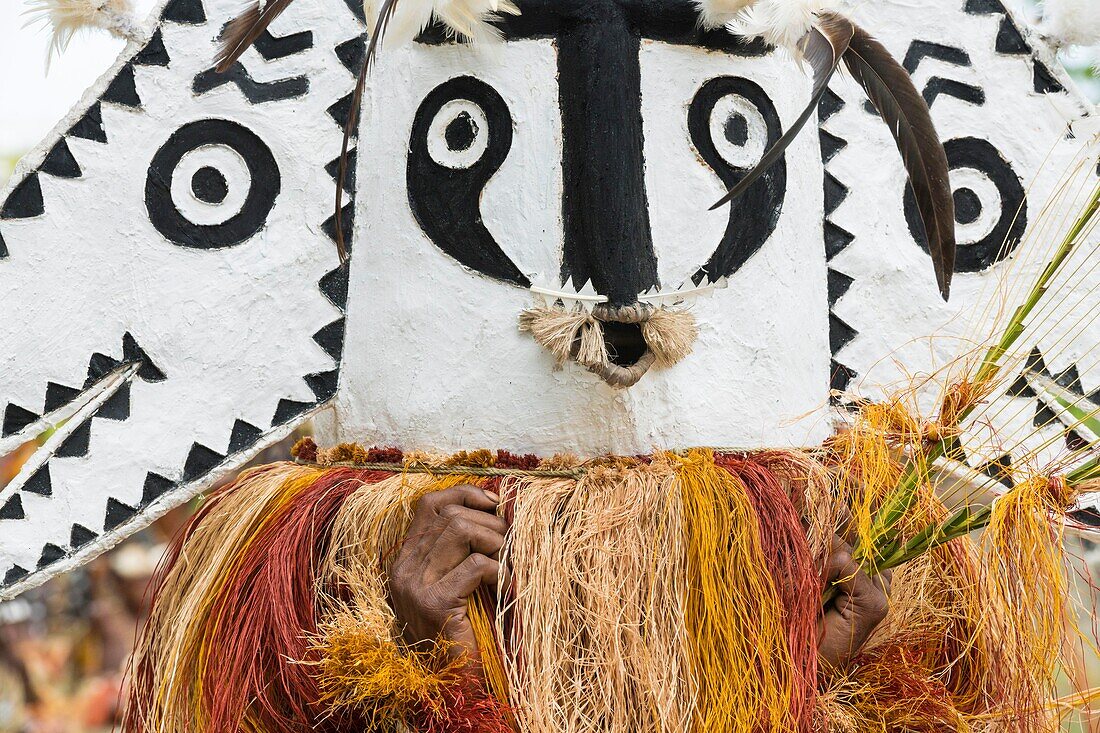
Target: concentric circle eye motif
211, 185
990, 205
739, 131
458, 135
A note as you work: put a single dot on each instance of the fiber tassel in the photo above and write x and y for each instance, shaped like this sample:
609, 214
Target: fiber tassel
565, 333
670, 335
796, 580
69, 17
740, 656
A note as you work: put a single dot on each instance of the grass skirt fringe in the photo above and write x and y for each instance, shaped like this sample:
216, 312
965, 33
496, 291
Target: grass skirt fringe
678, 592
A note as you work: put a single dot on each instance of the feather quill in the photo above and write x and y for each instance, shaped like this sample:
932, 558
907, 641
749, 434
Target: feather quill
822, 48
901, 106
242, 31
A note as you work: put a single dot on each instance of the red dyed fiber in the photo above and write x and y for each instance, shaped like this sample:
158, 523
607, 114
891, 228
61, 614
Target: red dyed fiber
266, 613
466, 708
794, 576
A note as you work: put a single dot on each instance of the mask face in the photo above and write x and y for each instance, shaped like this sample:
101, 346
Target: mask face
173, 294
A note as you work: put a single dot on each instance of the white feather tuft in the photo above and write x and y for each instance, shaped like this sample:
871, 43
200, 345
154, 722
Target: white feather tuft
66, 18
1072, 22
717, 13
781, 23
470, 20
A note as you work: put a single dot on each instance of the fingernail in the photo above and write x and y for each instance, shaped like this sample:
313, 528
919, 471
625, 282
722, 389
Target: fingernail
492, 496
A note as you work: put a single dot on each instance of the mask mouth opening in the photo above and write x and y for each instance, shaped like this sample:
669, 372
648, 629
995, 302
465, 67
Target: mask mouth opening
625, 343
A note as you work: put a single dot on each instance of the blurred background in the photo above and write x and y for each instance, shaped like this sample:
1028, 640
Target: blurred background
63, 647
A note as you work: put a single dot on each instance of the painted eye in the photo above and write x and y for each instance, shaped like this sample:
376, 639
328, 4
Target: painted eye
458, 135
211, 185
738, 130
990, 205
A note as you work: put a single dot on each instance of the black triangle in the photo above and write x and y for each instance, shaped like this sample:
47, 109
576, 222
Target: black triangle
90, 126
76, 445
838, 286
335, 286
155, 487
25, 200
60, 162
13, 508
117, 406
123, 89
351, 53
154, 53
983, 7
1044, 415
134, 354
116, 514
830, 104
1000, 470
340, 111
3, 248
835, 193
200, 461
15, 574
324, 384
840, 334
333, 170
358, 10
40, 482
347, 221
16, 418
50, 554
840, 376
331, 339
80, 536
836, 240
1044, 80
244, 436
1071, 380
184, 11
99, 366
287, 410
830, 145
58, 395
1009, 39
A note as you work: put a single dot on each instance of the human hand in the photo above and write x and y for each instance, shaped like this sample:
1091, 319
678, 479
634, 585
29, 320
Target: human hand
451, 549
860, 605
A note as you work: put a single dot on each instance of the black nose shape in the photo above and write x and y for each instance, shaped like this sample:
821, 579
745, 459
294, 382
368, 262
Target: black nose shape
605, 210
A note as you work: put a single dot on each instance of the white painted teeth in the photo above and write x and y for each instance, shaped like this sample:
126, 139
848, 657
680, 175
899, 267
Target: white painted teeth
571, 297
685, 294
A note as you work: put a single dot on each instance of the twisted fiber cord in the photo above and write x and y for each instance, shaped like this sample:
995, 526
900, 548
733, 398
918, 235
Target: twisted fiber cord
170, 653
594, 623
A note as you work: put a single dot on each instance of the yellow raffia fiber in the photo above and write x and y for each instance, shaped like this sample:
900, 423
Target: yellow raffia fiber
1024, 572
492, 662
597, 640
738, 645
176, 644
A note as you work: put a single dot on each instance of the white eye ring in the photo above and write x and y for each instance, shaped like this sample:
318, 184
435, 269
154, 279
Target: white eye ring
982, 187
234, 172
738, 130
459, 134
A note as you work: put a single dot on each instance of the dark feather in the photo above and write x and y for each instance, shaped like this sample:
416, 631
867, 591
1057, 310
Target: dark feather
242, 31
822, 48
891, 91
385, 14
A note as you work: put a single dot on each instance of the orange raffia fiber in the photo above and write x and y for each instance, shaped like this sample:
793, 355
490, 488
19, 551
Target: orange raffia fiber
426, 690
791, 566
1024, 571
166, 668
740, 653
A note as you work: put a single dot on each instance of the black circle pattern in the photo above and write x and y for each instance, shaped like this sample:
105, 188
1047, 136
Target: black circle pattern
1005, 236
264, 185
209, 185
461, 132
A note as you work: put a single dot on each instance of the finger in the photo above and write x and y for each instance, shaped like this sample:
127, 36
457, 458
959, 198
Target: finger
430, 505
473, 572
461, 536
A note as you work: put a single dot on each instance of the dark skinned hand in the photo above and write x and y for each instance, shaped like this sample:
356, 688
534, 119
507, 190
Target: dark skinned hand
452, 549
860, 606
